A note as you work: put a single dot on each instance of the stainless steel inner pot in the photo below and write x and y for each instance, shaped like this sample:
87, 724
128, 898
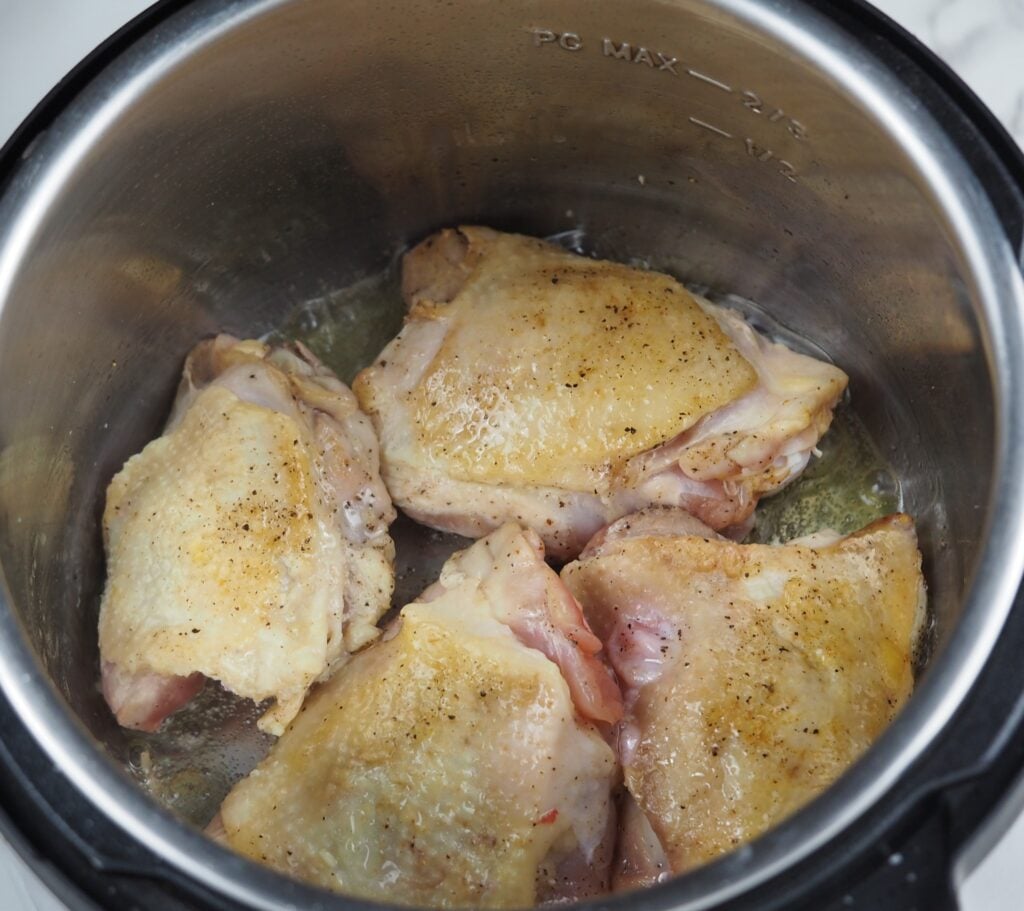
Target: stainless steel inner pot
245, 157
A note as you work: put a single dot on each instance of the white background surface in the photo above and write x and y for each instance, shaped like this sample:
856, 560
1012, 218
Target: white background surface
983, 40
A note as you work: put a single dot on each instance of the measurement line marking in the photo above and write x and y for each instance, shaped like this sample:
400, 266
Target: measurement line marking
708, 126
718, 85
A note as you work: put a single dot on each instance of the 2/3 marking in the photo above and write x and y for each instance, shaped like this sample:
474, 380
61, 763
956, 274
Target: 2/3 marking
753, 102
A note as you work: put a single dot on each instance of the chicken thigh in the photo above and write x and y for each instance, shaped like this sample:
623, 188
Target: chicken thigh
454, 763
249, 543
753, 675
534, 385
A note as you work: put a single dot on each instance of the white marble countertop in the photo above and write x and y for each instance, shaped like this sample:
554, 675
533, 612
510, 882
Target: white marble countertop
983, 40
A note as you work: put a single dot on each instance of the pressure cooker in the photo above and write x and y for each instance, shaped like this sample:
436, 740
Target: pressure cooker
219, 163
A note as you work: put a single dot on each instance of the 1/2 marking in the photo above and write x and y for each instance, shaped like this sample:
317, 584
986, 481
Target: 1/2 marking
760, 153
711, 127
766, 155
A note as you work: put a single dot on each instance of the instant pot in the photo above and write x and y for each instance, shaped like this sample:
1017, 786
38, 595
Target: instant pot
218, 164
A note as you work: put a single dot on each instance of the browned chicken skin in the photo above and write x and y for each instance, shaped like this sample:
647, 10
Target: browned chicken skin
753, 675
249, 543
450, 764
533, 385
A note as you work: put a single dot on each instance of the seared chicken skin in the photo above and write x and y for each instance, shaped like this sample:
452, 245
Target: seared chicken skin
249, 543
451, 764
753, 675
534, 385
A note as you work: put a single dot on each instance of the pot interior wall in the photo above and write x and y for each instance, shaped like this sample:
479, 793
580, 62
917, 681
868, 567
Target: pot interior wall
301, 147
